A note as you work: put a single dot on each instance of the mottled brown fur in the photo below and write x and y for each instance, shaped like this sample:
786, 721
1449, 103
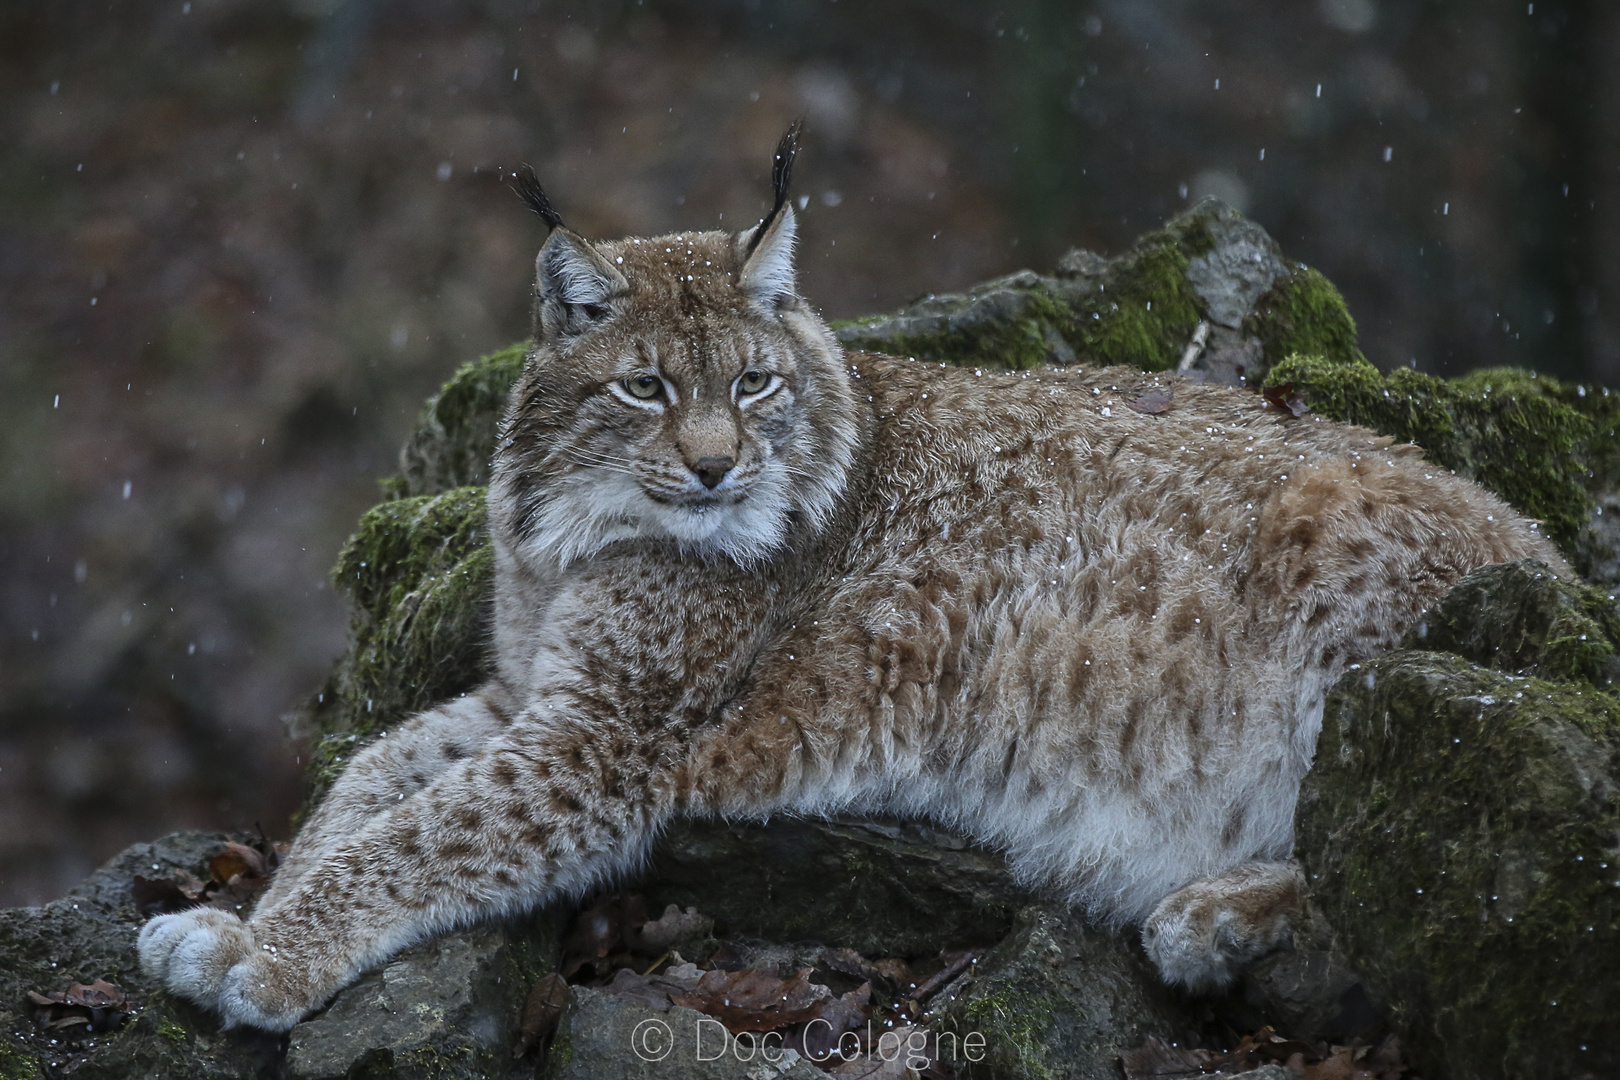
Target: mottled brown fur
1095, 638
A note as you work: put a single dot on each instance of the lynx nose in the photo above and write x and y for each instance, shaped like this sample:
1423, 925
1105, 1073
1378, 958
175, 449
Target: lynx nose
712, 470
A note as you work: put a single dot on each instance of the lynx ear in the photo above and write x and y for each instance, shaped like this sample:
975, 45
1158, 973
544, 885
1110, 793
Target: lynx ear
767, 273
573, 283
766, 250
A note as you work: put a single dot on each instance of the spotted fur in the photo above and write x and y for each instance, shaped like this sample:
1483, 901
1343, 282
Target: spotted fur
1094, 638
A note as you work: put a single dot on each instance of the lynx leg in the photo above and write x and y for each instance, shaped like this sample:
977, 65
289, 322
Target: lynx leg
1203, 935
542, 809
384, 774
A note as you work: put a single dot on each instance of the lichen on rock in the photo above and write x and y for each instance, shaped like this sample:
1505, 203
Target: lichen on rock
1461, 830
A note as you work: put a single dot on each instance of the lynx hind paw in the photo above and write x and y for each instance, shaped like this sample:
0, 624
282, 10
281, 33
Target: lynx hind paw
208, 956
1201, 937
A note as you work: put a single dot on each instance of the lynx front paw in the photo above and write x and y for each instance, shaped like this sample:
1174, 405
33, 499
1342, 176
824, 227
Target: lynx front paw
1202, 936
210, 957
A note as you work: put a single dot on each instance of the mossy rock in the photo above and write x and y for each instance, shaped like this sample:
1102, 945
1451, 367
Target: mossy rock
1137, 309
445, 1009
1518, 618
420, 575
1544, 445
90, 934
1058, 998
1461, 830
455, 439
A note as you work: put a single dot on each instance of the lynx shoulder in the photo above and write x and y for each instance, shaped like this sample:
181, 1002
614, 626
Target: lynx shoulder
741, 572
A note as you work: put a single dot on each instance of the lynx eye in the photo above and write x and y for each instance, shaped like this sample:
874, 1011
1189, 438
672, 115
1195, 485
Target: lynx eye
752, 381
645, 387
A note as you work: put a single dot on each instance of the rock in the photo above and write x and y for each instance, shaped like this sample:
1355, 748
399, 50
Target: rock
1311, 991
90, 934
445, 1008
880, 888
455, 439
1461, 832
1516, 617
420, 573
1059, 997
603, 1036
1520, 808
1241, 266
1210, 294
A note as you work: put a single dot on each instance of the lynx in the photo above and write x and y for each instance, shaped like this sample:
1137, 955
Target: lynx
742, 573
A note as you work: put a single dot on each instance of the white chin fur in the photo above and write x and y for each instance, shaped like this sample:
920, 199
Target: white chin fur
596, 508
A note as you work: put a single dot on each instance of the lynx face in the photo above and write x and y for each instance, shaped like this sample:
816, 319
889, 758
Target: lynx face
680, 390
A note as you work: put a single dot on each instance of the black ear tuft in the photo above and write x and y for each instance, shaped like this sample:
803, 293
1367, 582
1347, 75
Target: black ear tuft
781, 177
527, 185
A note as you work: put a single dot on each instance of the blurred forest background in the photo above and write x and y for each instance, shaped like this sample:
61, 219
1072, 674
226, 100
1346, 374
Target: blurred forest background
241, 240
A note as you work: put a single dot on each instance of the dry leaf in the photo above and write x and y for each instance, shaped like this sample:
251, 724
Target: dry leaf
890, 974
1154, 402
1284, 396
752, 1000
673, 925
236, 875
602, 930
654, 991
541, 1011
81, 1009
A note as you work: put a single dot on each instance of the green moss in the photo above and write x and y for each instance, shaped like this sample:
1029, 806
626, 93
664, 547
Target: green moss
1146, 311
1304, 314
18, 1062
438, 1062
1517, 617
419, 573
171, 1029
1461, 829
1140, 310
1016, 1026
455, 439
1023, 331
1512, 431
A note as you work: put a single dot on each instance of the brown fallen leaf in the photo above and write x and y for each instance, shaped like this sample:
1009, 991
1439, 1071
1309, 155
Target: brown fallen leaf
657, 935
601, 930
753, 1000
889, 974
895, 1056
1283, 396
541, 1011
1154, 402
818, 1041
654, 991
83, 1008
1340, 1065
235, 876
239, 860
162, 896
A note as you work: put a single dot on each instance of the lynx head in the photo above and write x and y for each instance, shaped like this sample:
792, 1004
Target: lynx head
680, 391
